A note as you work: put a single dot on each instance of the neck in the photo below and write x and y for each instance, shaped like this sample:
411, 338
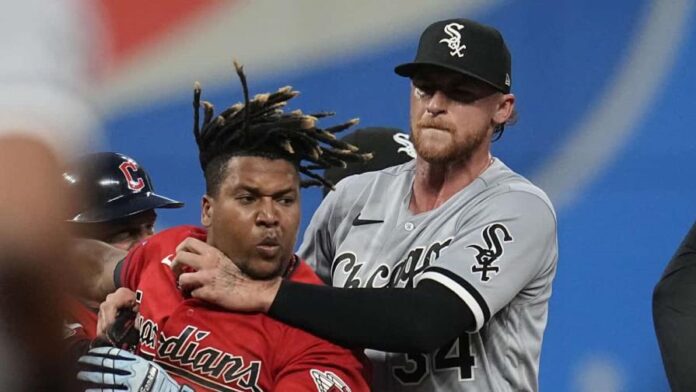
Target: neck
435, 183
284, 270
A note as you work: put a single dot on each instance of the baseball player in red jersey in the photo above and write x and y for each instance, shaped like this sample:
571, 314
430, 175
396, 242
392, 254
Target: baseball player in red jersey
251, 155
118, 203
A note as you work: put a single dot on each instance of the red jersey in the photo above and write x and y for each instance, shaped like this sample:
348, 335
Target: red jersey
209, 348
81, 320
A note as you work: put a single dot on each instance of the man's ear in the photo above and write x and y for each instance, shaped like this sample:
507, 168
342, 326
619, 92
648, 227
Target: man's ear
504, 109
206, 211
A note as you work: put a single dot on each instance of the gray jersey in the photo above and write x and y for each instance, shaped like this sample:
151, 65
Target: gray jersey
493, 244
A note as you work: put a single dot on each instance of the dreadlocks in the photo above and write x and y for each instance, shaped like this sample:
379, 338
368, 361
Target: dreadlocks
260, 127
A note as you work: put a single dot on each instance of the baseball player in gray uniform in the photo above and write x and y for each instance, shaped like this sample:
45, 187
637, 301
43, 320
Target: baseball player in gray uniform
441, 266
492, 244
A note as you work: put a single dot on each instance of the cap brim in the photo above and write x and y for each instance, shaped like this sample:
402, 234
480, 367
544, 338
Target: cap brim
407, 70
123, 208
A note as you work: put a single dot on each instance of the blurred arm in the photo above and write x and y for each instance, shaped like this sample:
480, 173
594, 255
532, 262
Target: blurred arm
31, 202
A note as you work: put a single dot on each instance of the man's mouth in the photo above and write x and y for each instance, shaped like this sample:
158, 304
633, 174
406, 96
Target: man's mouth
434, 127
268, 247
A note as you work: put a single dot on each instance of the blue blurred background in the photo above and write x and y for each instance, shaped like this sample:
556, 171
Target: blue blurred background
604, 91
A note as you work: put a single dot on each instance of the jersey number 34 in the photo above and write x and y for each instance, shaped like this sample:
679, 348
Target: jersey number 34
453, 357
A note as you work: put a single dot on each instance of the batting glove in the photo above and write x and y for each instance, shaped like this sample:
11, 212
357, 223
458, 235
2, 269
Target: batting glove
117, 369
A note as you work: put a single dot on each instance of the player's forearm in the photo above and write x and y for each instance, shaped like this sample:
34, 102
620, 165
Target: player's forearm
395, 320
106, 284
97, 261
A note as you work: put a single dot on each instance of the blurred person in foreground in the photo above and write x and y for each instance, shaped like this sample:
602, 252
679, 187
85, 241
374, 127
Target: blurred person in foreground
44, 118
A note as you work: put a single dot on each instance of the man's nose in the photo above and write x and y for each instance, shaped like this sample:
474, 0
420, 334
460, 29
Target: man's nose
437, 103
267, 214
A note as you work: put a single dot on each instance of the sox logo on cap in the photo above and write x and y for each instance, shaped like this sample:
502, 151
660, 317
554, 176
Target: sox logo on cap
454, 40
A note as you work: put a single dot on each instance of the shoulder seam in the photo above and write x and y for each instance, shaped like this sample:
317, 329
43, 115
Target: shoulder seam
546, 203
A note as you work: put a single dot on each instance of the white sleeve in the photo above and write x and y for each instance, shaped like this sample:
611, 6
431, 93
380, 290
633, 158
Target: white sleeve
45, 69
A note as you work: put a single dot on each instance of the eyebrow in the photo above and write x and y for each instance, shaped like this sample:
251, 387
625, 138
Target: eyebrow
257, 191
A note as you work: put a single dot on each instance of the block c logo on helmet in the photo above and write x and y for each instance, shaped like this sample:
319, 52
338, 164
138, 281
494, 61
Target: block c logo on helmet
128, 169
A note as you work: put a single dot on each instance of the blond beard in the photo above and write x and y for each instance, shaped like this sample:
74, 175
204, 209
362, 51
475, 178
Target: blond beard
451, 152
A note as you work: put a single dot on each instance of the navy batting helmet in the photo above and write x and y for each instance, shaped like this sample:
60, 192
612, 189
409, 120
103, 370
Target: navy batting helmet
112, 186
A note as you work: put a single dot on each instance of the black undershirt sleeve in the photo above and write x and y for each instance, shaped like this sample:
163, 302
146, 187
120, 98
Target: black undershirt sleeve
674, 314
387, 319
117, 273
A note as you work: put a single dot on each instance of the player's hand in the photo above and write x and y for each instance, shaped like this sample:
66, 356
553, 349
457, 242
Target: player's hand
114, 369
207, 274
122, 298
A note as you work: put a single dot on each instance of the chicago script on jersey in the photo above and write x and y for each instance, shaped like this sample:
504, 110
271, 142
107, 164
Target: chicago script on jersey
346, 268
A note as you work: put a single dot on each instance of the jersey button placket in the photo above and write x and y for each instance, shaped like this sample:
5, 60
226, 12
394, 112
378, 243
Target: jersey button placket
408, 226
